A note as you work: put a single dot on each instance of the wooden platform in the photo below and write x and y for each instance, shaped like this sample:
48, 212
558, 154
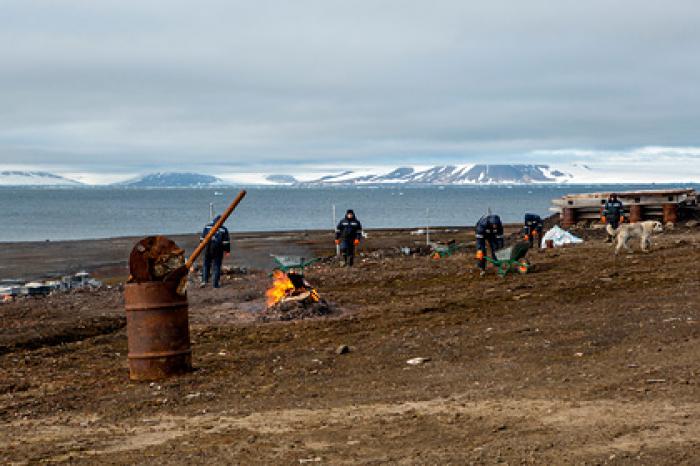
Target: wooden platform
661, 205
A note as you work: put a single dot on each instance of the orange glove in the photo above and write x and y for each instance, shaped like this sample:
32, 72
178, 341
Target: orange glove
527, 237
337, 241
479, 254
227, 254
357, 242
622, 219
603, 219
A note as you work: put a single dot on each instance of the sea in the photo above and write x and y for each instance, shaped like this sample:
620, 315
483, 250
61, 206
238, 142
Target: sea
53, 214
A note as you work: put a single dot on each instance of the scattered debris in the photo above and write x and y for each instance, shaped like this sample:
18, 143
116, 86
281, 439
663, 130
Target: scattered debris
12, 289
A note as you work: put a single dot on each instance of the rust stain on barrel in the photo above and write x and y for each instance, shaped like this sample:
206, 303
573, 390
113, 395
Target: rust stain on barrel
158, 331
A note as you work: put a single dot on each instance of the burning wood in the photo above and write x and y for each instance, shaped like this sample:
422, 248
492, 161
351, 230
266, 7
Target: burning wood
291, 297
290, 287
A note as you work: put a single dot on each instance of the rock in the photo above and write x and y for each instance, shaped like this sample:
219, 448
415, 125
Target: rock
342, 349
316, 459
669, 226
692, 223
417, 361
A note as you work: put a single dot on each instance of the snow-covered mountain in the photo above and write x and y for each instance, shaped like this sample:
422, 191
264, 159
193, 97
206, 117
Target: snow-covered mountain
172, 180
34, 178
443, 175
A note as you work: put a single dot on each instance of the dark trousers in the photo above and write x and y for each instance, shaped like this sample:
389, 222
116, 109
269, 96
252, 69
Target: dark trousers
207, 269
481, 243
348, 251
530, 232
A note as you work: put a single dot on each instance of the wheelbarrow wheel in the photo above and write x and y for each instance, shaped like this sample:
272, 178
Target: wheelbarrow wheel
523, 266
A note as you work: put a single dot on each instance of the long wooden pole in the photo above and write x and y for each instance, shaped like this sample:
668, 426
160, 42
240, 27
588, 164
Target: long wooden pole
214, 229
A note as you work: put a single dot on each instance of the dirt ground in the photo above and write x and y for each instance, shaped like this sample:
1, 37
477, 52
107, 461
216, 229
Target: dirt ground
588, 359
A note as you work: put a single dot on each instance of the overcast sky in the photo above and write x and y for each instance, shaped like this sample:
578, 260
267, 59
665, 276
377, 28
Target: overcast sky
133, 86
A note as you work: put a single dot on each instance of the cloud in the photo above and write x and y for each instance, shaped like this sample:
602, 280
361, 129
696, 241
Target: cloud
126, 86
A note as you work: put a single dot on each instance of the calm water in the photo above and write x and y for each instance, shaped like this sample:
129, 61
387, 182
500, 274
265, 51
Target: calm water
59, 214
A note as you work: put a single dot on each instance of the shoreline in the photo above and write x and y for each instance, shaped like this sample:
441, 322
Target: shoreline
106, 258
236, 234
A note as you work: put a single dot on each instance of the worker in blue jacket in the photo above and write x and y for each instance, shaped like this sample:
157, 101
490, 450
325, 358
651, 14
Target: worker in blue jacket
533, 229
613, 213
219, 246
489, 230
348, 234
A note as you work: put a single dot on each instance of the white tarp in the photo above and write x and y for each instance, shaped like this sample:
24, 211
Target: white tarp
560, 237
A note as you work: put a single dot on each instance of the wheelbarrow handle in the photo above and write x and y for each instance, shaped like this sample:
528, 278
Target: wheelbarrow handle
214, 229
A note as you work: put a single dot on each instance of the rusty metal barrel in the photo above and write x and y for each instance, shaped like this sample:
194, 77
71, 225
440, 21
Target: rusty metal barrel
157, 325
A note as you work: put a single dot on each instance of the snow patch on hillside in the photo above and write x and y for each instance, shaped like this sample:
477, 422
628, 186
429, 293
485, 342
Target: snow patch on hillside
34, 178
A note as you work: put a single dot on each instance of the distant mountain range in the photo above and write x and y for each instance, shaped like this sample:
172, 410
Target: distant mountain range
34, 178
449, 175
172, 180
437, 175
479, 174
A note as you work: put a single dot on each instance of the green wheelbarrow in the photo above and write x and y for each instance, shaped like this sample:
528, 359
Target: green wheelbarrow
443, 250
296, 263
512, 259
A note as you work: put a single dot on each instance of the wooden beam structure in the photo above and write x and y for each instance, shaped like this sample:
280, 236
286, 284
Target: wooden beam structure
661, 205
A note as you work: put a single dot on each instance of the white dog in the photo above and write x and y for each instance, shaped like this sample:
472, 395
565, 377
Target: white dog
641, 230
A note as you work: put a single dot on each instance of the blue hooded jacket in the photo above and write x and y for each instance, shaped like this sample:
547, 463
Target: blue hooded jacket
220, 243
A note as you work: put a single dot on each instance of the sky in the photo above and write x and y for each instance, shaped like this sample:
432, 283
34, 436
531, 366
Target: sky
106, 89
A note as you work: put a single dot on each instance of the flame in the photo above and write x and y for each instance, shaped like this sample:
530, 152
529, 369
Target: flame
281, 287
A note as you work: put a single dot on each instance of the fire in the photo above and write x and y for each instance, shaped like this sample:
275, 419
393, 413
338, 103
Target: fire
281, 287
290, 286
